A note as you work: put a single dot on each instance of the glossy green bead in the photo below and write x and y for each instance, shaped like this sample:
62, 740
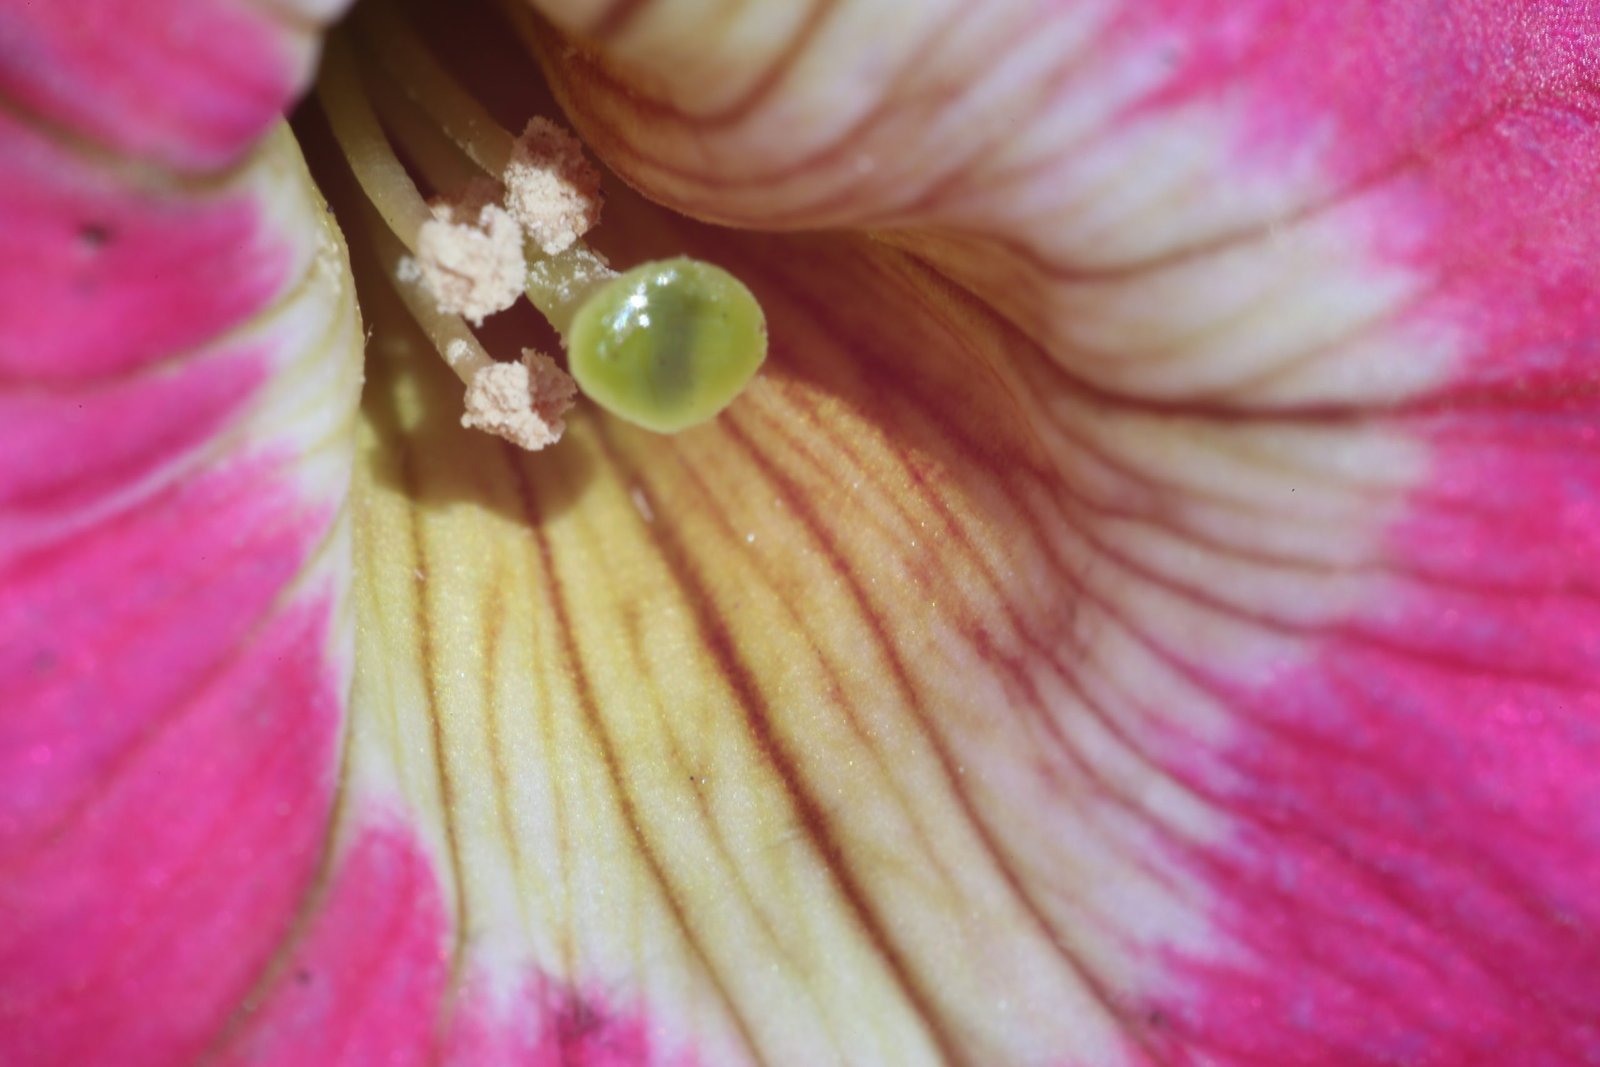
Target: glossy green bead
668, 344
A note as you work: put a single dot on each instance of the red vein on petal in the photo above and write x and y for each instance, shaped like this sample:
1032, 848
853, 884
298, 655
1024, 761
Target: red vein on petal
915, 697
557, 597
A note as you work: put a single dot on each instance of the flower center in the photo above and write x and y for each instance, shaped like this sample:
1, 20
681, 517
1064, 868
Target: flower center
666, 345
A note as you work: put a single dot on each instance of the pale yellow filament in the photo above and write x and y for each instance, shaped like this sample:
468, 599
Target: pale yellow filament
437, 158
361, 138
424, 79
394, 197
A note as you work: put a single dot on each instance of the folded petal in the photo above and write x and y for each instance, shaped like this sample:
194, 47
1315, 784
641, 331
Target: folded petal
178, 369
187, 83
1276, 181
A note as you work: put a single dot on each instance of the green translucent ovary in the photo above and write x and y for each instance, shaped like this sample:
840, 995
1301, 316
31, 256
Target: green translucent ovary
668, 344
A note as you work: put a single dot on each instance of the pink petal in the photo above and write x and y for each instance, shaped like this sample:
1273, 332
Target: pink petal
1410, 871
187, 83
177, 359
369, 981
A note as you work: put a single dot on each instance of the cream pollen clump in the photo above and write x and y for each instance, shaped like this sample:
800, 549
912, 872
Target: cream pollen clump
551, 189
665, 345
498, 400
469, 254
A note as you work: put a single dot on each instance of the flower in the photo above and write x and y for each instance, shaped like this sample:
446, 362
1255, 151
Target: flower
1144, 612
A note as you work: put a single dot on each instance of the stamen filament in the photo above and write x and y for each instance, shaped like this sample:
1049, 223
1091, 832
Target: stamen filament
440, 160
522, 402
424, 79
355, 126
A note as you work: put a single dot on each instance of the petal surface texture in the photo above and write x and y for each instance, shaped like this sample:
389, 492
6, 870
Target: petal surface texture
179, 368
1143, 613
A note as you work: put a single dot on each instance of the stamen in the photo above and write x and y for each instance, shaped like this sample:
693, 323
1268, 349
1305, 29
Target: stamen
552, 190
413, 67
450, 335
521, 402
468, 250
667, 345
468, 259
469, 255
438, 159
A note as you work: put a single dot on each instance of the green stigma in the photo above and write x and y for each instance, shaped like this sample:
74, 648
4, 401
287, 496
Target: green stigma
667, 345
